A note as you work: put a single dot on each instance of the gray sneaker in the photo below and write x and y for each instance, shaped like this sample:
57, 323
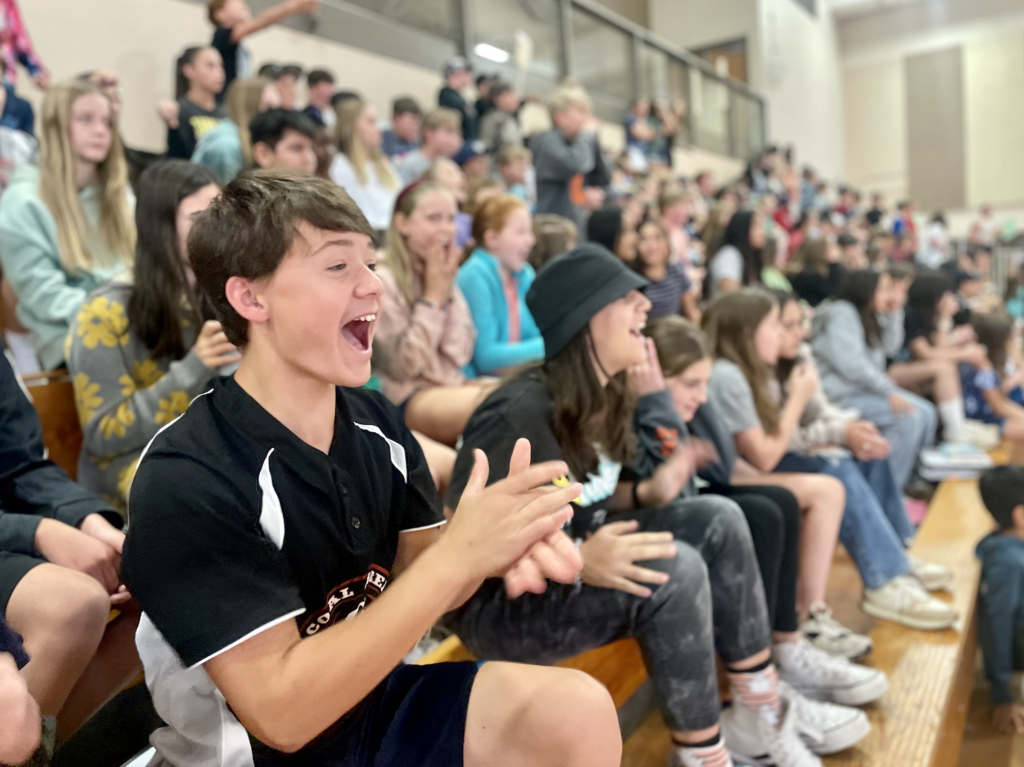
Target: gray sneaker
829, 635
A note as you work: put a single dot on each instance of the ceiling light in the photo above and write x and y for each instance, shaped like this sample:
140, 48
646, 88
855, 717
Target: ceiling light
491, 53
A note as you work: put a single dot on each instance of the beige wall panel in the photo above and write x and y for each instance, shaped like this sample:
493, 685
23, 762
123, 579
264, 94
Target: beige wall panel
994, 119
935, 128
875, 118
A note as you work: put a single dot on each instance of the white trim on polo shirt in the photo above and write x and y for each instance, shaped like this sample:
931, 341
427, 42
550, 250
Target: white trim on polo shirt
397, 451
425, 527
250, 635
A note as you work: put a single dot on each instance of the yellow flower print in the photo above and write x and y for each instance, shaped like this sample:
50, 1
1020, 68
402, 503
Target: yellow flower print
128, 386
87, 398
172, 407
102, 321
67, 346
125, 477
146, 373
117, 423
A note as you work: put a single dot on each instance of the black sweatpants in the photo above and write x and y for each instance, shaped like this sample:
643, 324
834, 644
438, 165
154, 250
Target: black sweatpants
773, 515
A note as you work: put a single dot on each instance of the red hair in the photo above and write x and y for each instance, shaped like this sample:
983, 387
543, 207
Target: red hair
493, 215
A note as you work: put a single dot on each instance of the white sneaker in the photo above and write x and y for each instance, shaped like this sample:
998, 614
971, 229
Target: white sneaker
827, 728
754, 739
700, 757
827, 634
985, 436
821, 676
934, 577
904, 600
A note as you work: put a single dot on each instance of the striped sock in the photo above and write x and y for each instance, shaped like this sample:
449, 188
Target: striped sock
758, 691
704, 756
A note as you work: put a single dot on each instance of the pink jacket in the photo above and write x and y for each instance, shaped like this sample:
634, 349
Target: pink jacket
417, 347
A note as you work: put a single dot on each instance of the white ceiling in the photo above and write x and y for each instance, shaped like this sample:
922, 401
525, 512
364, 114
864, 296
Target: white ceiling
847, 9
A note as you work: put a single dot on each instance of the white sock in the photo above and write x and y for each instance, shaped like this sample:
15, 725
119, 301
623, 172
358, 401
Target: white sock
951, 412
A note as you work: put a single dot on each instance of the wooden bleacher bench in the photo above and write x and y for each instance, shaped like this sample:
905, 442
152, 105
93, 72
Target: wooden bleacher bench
53, 396
920, 722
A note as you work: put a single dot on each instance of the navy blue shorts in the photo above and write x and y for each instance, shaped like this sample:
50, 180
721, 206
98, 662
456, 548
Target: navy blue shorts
415, 717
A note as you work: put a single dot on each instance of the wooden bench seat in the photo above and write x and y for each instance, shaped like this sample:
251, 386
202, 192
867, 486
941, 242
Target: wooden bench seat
618, 666
919, 723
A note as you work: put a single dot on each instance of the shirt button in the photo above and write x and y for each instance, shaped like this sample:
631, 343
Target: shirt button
356, 523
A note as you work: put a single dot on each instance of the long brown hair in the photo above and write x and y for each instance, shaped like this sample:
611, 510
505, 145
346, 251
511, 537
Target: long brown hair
812, 254
585, 416
679, 342
347, 140
242, 103
994, 330
397, 255
730, 322
584, 413
59, 193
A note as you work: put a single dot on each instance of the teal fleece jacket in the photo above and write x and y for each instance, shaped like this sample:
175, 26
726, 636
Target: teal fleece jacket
48, 296
220, 150
479, 279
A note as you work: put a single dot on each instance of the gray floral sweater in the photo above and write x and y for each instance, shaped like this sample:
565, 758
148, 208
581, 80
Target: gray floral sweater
124, 395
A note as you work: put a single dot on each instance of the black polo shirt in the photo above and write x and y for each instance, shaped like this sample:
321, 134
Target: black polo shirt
238, 525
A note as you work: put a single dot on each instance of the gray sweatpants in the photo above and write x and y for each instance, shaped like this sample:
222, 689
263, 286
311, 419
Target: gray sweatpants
714, 600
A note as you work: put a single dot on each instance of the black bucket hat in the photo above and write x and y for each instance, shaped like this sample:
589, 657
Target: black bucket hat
574, 287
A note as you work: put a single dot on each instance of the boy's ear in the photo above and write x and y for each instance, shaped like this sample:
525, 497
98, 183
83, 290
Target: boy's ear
243, 295
262, 154
1017, 515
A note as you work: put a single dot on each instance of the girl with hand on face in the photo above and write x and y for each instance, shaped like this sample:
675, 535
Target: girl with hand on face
143, 347
66, 226
746, 334
676, 571
853, 335
360, 167
670, 290
495, 280
425, 334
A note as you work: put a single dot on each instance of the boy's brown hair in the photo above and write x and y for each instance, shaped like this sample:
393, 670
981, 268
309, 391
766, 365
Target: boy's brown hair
509, 153
249, 229
442, 117
213, 8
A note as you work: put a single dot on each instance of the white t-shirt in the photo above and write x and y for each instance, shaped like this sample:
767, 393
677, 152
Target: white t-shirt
375, 199
726, 264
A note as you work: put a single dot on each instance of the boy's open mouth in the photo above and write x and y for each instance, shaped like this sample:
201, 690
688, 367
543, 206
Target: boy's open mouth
357, 332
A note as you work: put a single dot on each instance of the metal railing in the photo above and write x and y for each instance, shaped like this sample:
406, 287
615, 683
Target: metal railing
722, 114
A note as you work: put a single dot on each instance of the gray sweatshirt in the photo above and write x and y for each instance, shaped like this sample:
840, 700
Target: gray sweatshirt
557, 160
848, 365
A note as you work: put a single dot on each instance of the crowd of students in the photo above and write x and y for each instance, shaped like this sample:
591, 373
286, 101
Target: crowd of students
652, 407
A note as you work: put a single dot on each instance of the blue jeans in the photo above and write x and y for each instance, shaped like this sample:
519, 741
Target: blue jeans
872, 531
907, 433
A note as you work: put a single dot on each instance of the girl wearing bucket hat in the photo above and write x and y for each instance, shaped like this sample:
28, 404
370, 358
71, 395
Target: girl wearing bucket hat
675, 571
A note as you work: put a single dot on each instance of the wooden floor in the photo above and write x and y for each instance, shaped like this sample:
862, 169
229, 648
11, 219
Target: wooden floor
919, 723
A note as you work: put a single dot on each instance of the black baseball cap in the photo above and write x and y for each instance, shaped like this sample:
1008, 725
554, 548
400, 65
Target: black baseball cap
572, 288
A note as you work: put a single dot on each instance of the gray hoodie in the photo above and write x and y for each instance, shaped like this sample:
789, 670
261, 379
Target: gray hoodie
557, 160
847, 364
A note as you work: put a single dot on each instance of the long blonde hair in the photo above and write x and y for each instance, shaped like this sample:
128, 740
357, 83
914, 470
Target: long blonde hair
398, 256
242, 103
347, 138
59, 193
